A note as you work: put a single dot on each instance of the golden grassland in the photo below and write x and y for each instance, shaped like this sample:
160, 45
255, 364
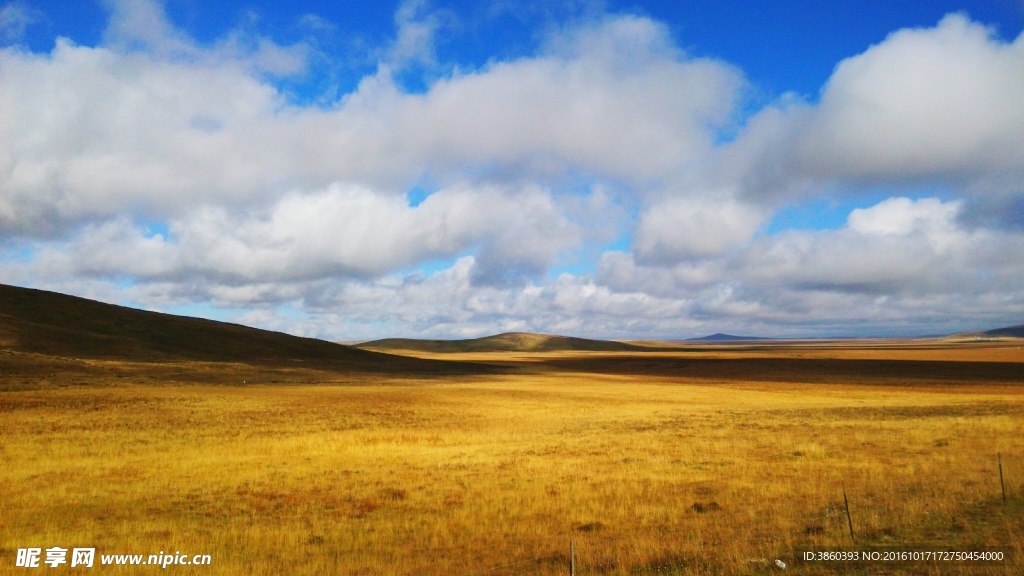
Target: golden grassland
670, 470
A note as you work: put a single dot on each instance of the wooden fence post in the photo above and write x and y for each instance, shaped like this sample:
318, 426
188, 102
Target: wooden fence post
849, 520
1001, 484
572, 558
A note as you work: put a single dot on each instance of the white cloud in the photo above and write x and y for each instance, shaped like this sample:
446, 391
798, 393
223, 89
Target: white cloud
899, 260
352, 231
543, 116
898, 245
93, 132
344, 231
932, 218
935, 107
931, 106
268, 203
143, 25
901, 266
449, 304
708, 225
262, 55
928, 103
416, 31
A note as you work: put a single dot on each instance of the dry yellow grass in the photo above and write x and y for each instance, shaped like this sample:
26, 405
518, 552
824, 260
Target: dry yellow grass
648, 473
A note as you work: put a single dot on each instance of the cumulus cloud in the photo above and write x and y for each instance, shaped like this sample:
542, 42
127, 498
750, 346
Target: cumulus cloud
351, 231
343, 231
931, 106
897, 251
91, 132
168, 172
936, 107
700, 226
582, 109
449, 303
941, 102
895, 246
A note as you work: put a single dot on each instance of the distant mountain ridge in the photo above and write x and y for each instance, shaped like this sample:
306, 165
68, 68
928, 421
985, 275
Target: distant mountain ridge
508, 342
719, 337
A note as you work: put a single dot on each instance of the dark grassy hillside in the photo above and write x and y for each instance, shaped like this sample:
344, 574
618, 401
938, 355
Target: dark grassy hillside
53, 324
1005, 332
61, 325
1009, 331
510, 342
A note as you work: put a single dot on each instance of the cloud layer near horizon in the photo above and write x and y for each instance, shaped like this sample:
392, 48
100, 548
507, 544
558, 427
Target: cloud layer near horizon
608, 185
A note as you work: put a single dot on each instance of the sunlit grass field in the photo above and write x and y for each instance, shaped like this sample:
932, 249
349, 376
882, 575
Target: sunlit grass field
646, 473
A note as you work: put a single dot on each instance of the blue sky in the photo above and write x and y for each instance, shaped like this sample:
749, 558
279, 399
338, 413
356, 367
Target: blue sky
450, 169
781, 46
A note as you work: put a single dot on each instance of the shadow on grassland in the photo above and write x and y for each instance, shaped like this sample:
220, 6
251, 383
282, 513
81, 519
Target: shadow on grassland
794, 370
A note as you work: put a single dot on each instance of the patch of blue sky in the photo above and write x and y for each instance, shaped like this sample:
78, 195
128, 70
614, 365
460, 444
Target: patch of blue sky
782, 46
343, 42
583, 260
153, 228
417, 194
793, 45
432, 266
20, 253
621, 244
825, 214
582, 182
323, 86
81, 22
832, 213
749, 104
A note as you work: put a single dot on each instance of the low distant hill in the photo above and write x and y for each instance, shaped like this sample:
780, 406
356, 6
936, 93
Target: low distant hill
509, 342
719, 337
1007, 332
59, 325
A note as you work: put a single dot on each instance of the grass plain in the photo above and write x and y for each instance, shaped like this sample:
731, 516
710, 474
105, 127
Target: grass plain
706, 460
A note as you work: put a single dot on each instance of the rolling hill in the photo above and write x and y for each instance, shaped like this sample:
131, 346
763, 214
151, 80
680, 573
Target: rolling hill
1008, 332
1005, 332
719, 337
509, 342
58, 325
